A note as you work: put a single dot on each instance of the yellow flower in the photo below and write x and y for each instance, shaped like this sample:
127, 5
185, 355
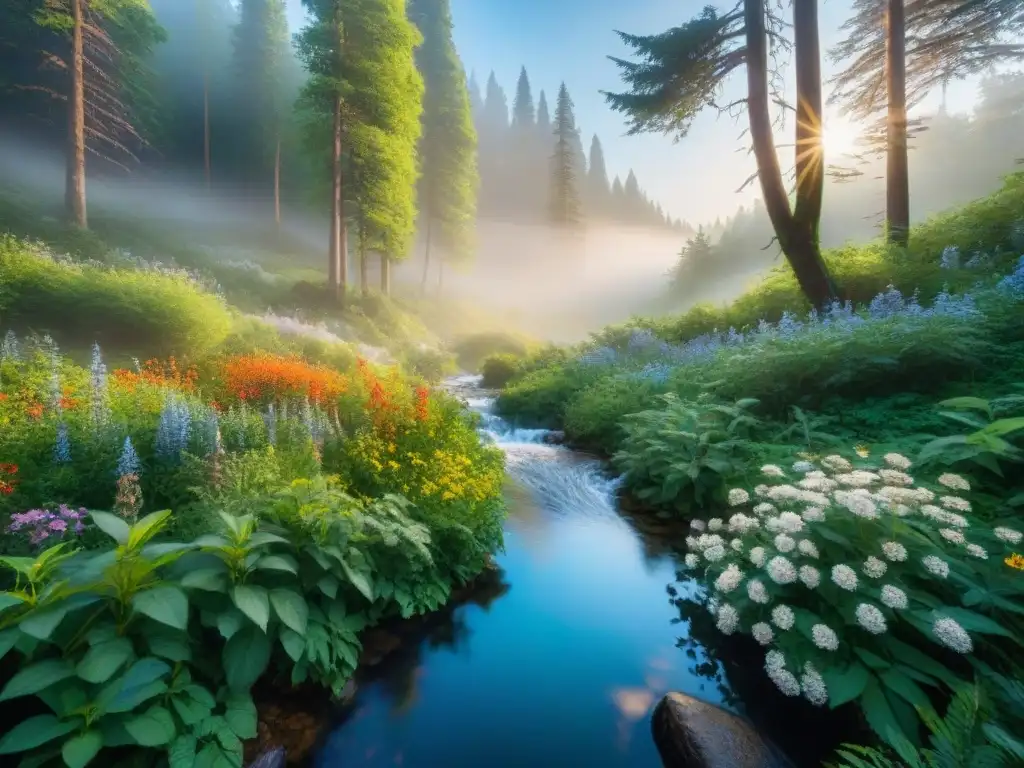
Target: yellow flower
1015, 561
394, 465
863, 451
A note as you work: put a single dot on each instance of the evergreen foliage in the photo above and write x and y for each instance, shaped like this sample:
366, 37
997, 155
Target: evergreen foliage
565, 177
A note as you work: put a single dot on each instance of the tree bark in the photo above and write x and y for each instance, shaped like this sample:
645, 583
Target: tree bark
337, 217
74, 186
426, 260
364, 268
897, 172
797, 238
385, 274
277, 184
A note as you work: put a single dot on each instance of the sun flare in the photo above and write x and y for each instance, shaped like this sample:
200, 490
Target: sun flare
839, 138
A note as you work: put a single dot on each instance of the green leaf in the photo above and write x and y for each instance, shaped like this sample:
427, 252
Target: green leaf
290, 608
8, 639
189, 710
141, 682
207, 579
7, 599
329, 586
182, 752
905, 688
41, 623
166, 604
113, 526
278, 563
359, 580
146, 528
153, 728
36, 677
245, 657
34, 732
168, 646
104, 659
968, 403
229, 622
912, 657
872, 660
846, 685
240, 714
79, 751
254, 603
293, 643
261, 538
879, 714
975, 622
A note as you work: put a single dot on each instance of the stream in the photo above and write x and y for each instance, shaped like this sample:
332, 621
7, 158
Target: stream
564, 665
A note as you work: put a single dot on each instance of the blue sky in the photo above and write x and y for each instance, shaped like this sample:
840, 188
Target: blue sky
569, 40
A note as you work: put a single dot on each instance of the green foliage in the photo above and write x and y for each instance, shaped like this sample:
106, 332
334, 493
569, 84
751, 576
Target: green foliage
499, 370
565, 182
471, 351
685, 452
594, 416
431, 364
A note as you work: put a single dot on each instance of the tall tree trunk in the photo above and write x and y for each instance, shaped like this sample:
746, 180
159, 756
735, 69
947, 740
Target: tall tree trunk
74, 183
385, 274
426, 259
440, 276
364, 267
797, 238
277, 184
337, 215
897, 171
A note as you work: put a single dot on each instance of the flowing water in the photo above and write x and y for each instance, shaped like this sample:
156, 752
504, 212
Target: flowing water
565, 665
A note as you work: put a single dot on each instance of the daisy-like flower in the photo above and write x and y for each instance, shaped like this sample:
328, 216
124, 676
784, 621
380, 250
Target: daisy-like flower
975, 551
737, 545
874, 567
813, 686
953, 537
955, 503
814, 499
1009, 535
813, 515
803, 466
727, 620
772, 470
824, 637
844, 577
764, 508
714, 553
758, 556
756, 592
790, 522
715, 524
691, 542
897, 461
836, 463
936, 566
810, 576
858, 504
894, 551
818, 484
862, 450
729, 579
781, 570
762, 633
952, 635
740, 523
944, 516
783, 493
738, 496
761, 490
869, 617
859, 478
954, 482
895, 477
784, 543
783, 617
893, 597
692, 560
697, 525
806, 547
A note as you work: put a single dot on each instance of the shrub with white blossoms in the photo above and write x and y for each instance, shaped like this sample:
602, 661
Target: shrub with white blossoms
859, 581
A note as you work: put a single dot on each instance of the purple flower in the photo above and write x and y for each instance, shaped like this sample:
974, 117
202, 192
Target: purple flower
58, 525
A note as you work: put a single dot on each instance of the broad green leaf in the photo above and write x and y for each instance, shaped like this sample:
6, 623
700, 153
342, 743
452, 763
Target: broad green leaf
8, 639
968, 403
879, 714
182, 752
113, 526
7, 599
169, 646
293, 643
34, 732
873, 660
189, 710
79, 751
905, 688
146, 528
912, 657
104, 659
153, 728
240, 714
141, 682
42, 622
260, 538
253, 602
277, 563
229, 622
207, 579
36, 677
845, 685
290, 608
213, 756
166, 604
359, 580
246, 656
201, 695
329, 586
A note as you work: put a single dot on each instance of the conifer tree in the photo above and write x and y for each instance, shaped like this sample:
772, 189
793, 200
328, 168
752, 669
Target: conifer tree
565, 200
261, 53
495, 107
597, 178
543, 118
522, 107
476, 102
449, 182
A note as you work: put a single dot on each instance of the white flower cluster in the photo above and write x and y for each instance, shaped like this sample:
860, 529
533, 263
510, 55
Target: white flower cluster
775, 666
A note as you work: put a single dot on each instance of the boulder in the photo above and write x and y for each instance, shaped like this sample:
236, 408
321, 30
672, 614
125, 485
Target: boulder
272, 758
554, 438
690, 733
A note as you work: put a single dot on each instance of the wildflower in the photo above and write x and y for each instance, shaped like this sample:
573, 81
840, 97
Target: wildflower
100, 409
807, 547
764, 508
955, 503
975, 551
697, 525
729, 579
952, 635
772, 470
924, 496
62, 445
894, 551
943, 516
1015, 561
738, 496
128, 500
836, 463
810, 576
740, 523
813, 686
862, 450
845, 577
784, 543
813, 515
858, 504
897, 461
1009, 535
774, 660
824, 637
728, 619
174, 428
955, 482
715, 524
783, 617
692, 560
803, 466
758, 556
784, 680
869, 617
756, 591
874, 567
893, 597
895, 477
737, 545
953, 537
936, 566
762, 633
128, 463
783, 493
781, 570
761, 490
714, 553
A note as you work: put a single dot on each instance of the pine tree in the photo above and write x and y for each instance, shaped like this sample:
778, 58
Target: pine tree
495, 107
565, 201
597, 179
447, 151
476, 102
261, 53
634, 204
543, 118
522, 108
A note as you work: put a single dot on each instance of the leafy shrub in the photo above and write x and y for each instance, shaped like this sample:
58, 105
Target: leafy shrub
131, 309
251, 335
867, 586
684, 452
471, 351
499, 370
429, 363
594, 417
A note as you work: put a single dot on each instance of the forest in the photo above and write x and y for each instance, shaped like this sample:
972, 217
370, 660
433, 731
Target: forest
260, 506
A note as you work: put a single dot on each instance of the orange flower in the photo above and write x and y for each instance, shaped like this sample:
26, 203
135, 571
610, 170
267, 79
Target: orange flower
34, 410
7, 485
262, 376
422, 403
160, 374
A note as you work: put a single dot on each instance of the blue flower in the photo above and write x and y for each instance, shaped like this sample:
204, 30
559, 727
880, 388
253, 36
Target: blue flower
128, 463
172, 433
62, 445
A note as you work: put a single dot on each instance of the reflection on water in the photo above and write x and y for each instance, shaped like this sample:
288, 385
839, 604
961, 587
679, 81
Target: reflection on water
560, 669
